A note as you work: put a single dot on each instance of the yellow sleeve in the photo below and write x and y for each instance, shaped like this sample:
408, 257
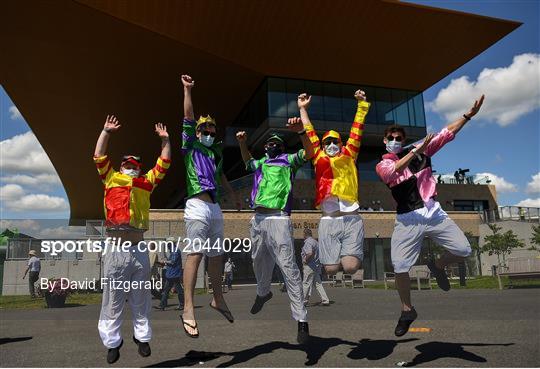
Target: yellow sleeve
157, 173
357, 129
104, 167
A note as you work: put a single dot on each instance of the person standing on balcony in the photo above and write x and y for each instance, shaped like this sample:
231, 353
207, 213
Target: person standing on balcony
127, 205
203, 160
407, 172
34, 267
341, 229
271, 226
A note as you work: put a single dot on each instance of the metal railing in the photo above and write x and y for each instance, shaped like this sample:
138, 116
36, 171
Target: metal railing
517, 213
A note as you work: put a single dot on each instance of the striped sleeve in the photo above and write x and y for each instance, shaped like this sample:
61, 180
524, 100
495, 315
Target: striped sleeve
104, 167
355, 136
188, 135
157, 173
314, 139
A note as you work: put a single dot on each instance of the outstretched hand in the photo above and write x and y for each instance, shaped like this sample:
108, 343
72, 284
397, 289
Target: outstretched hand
241, 136
476, 107
360, 95
111, 124
187, 81
303, 100
295, 124
161, 130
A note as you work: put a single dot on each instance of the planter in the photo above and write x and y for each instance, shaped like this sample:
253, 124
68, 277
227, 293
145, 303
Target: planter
55, 301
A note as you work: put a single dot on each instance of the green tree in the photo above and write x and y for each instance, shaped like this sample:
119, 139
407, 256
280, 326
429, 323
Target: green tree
501, 244
535, 239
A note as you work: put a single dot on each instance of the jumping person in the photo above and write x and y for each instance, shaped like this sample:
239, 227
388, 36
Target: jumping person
204, 221
271, 227
407, 172
312, 269
127, 204
341, 229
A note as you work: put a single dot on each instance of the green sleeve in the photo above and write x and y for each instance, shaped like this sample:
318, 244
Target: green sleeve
297, 159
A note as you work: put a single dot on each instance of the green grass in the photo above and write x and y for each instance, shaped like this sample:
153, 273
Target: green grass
484, 282
74, 299
26, 302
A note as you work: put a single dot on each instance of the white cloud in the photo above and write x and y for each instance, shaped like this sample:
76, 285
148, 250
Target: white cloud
24, 226
500, 183
511, 92
11, 192
531, 203
43, 181
38, 203
23, 153
534, 185
14, 113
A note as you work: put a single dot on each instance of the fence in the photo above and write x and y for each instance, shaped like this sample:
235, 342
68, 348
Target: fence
518, 213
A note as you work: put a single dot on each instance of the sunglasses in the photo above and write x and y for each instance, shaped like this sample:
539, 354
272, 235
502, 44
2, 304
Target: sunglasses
392, 138
127, 157
334, 141
208, 133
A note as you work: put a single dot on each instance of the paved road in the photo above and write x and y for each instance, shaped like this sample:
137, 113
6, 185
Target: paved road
471, 328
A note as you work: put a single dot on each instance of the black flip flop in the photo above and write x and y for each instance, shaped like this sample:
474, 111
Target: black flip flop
190, 326
227, 314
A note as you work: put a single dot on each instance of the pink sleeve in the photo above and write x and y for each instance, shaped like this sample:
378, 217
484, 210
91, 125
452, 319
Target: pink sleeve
386, 169
441, 139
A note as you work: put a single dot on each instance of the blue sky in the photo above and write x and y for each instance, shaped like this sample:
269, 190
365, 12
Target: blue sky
506, 148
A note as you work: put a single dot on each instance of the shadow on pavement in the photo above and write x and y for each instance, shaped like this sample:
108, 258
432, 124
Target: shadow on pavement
3, 341
437, 350
315, 350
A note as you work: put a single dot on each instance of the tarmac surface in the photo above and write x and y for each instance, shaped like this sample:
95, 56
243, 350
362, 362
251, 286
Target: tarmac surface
469, 328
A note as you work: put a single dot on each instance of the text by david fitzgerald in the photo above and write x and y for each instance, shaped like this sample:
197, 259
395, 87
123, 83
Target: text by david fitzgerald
99, 284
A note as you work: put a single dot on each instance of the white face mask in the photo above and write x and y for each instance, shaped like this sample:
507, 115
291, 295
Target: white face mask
207, 140
393, 147
331, 150
134, 173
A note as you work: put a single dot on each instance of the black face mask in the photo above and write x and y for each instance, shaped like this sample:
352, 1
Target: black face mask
272, 152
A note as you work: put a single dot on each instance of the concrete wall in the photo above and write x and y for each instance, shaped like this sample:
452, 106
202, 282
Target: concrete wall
169, 222
368, 191
78, 270
523, 230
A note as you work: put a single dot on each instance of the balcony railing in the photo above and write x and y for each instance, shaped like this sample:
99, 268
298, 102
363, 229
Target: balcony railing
517, 213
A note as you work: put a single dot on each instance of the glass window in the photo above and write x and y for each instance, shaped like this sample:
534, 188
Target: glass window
401, 111
348, 102
384, 106
316, 107
294, 88
332, 102
277, 97
419, 110
410, 104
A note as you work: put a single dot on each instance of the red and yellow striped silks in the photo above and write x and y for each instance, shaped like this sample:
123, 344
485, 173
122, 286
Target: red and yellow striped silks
127, 200
338, 175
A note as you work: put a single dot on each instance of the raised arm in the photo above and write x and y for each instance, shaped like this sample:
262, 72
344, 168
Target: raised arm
244, 150
456, 126
157, 173
296, 125
303, 103
161, 131
111, 125
188, 83
357, 128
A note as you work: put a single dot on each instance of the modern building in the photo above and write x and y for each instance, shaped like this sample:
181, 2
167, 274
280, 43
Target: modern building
75, 61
